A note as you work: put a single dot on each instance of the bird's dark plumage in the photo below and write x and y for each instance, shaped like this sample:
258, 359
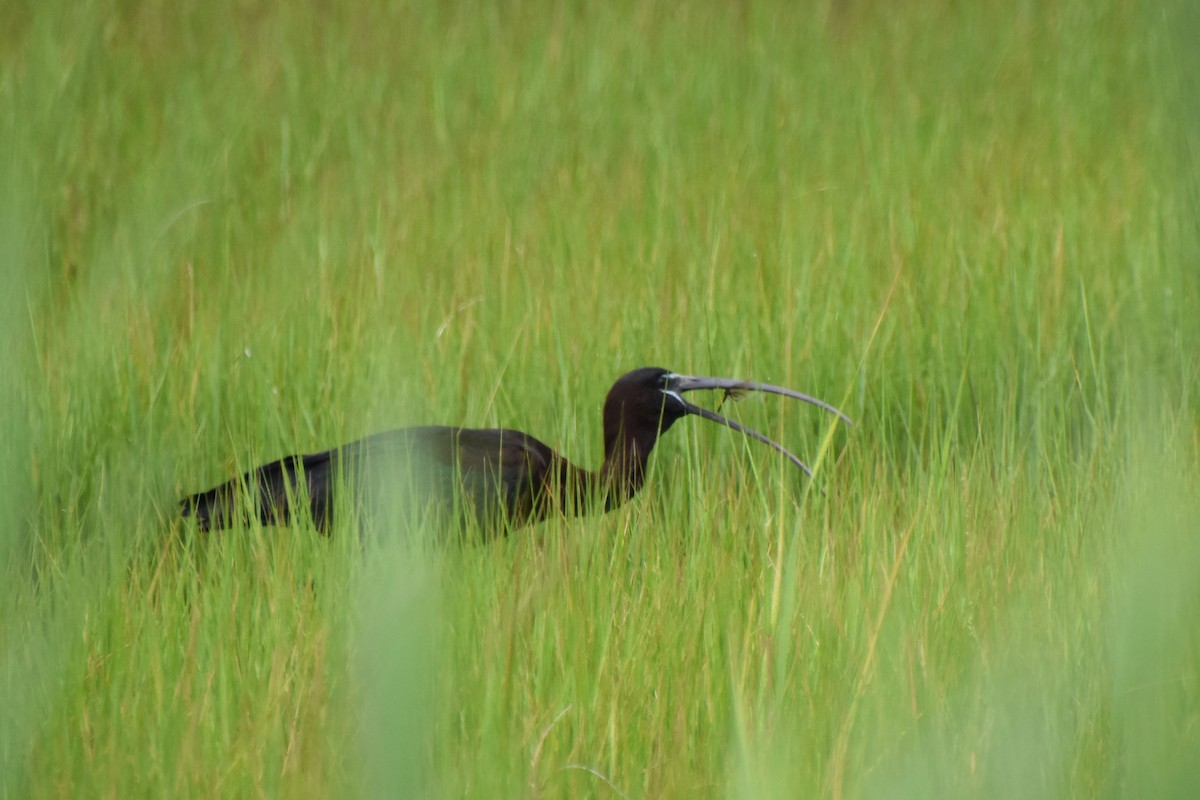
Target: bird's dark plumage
497, 476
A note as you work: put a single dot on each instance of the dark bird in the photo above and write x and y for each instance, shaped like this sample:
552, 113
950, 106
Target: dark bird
496, 476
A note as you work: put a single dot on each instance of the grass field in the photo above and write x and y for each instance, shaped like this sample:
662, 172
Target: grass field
237, 229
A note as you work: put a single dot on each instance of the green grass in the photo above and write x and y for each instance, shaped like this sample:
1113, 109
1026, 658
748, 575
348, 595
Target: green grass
233, 230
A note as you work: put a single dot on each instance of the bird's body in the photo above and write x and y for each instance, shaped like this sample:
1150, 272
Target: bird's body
498, 477
495, 476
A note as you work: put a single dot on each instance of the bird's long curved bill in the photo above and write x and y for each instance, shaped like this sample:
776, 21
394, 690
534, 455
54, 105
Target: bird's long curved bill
700, 411
687, 383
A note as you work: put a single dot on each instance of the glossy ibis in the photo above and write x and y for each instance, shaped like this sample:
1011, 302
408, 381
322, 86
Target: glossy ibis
496, 475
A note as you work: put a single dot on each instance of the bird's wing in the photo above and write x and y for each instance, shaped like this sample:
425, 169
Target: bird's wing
490, 469
498, 451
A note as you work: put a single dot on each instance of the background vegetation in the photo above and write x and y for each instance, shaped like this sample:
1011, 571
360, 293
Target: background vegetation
235, 229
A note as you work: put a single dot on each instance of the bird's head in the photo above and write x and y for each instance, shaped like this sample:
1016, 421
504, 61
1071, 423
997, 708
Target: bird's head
646, 402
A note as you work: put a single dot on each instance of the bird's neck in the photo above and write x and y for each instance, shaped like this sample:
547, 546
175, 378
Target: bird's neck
624, 471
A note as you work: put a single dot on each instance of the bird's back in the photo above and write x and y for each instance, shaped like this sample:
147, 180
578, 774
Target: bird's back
495, 476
